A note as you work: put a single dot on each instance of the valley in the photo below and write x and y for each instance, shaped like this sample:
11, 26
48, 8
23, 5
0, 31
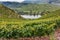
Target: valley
30, 20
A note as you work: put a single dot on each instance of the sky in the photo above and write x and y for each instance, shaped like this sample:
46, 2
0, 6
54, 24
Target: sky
13, 0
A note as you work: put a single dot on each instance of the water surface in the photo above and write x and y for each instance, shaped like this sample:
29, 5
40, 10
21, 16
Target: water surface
31, 16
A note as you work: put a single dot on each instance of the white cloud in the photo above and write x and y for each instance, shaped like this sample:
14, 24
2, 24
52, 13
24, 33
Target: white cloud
13, 0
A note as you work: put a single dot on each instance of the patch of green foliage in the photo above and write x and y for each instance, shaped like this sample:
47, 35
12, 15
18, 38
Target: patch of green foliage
29, 28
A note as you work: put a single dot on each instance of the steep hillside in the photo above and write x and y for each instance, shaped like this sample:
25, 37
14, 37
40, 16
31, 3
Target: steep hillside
37, 8
13, 4
7, 13
36, 1
52, 14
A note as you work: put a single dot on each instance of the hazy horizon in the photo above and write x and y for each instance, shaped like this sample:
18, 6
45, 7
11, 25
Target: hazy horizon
33, 1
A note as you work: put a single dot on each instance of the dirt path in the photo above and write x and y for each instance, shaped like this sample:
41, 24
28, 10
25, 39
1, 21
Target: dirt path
57, 34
